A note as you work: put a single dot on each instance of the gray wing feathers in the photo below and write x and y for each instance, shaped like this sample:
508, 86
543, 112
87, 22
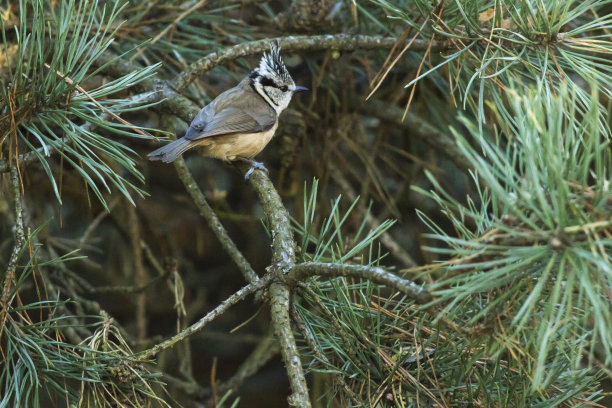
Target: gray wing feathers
171, 151
237, 110
198, 123
228, 121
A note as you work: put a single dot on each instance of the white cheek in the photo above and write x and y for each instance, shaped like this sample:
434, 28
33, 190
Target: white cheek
284, 102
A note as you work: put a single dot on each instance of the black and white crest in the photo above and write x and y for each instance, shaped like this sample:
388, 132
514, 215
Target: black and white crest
273, 65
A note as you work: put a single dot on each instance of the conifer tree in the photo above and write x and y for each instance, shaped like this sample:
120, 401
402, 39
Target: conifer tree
435, 229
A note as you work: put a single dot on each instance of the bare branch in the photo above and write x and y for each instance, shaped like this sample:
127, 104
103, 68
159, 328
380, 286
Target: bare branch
141, 275
283, 259
212, 315
283, 244
279, 302
132, 289
20, 240
371, 273
339, 42
213, 221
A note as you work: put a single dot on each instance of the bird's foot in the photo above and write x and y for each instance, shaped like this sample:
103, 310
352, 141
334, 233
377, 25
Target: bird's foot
254, 165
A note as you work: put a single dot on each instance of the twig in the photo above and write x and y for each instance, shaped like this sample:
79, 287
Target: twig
279, 310
339, 42
134, 289
213, 221
96, 221
283, 259
371, 273
382, 75
212, 315
20, 240
141, 275
153, 260
213, 382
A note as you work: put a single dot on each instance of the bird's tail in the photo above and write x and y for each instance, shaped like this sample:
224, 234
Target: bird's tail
171, 151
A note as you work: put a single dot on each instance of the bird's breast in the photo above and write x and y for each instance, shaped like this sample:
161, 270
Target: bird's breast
231, 147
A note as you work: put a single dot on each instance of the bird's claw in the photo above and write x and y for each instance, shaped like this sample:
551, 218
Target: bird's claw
255, 165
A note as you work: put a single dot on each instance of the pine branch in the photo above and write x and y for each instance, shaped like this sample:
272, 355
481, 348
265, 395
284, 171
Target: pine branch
59, 106
213, 221
338, 42
212, 315
372, 273
29, 157
283, 259
279, 305
9, 276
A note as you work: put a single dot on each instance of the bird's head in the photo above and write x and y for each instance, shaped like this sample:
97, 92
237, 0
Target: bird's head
272, 81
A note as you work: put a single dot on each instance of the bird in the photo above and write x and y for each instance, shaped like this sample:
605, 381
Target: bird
240, 122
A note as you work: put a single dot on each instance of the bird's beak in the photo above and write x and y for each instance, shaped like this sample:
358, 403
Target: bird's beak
300, 88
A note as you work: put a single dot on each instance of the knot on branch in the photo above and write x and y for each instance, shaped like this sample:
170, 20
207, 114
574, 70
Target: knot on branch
125, 371
304, 15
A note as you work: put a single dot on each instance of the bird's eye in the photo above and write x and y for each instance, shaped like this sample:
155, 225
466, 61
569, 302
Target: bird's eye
284, 88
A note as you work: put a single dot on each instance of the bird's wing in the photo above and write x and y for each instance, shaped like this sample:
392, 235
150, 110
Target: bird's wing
228, 121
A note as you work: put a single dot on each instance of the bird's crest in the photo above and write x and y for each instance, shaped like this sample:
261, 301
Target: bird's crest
273, 64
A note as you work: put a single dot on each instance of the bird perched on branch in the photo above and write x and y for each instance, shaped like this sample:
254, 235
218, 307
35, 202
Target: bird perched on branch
240, 122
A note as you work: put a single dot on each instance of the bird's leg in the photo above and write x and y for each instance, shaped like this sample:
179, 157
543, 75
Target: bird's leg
254, 165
